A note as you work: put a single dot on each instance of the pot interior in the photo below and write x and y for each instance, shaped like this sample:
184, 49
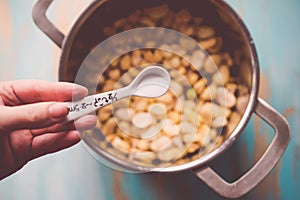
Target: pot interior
89, 32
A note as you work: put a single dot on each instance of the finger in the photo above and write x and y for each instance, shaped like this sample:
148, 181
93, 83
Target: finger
1, 102
85, 123
32, 116
50, 143
32, 91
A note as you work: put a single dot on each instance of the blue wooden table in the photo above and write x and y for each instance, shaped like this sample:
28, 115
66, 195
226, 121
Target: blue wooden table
74, 174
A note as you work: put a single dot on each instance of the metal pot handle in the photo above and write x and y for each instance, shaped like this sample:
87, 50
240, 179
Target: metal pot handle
41, 20
265, 164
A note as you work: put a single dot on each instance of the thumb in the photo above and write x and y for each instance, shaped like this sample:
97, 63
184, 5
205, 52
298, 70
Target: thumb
32, 116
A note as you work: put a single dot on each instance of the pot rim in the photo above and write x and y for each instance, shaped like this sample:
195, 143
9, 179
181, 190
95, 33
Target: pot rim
204, 160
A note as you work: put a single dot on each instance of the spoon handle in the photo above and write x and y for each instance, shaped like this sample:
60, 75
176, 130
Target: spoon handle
91, 103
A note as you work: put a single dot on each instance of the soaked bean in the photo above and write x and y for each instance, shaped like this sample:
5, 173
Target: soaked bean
142, 120
222, 111
235, 118
150, 132
161, 143
174, 116
158, 110
217, 47
183, 16
114, 74
141, 104
191, 115
198, 59
185, 63
170, 154
176, 88
208, 44
202, 131
186, 44
143, 145
210, 66
186, 29
109, 137
174, 62
157, 12
133, 72
187, 128
193, 147
243, 90
216, 58
177, 141
147, 22
219, 122
209, 93
225, 98
205, 32
105, 113
209, 110
192, 78
124, 114
182, 71
191, 94
231, 87
109, 85
144, 156
119, 23
242, 103
222, 76
126, 79
171, 129
109, 126
166, 98
157, 57
125, 62
121, 144
166, 54
188, 138
200, 85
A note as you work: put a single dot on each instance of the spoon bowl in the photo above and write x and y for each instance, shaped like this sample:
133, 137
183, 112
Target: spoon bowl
151, 82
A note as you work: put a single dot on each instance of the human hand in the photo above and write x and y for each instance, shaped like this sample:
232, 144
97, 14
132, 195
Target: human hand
31, 121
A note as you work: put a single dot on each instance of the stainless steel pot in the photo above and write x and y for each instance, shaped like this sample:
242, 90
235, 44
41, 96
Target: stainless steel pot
87, 31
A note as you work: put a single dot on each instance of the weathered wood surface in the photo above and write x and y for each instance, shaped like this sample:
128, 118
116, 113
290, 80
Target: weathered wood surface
26, 53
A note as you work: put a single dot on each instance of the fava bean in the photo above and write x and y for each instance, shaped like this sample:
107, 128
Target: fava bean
204, 97
142, 120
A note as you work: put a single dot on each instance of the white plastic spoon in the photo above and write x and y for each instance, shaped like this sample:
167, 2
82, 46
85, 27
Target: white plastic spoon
151, 82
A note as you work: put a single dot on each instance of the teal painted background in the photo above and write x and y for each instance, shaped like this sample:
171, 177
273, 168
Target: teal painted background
74, 174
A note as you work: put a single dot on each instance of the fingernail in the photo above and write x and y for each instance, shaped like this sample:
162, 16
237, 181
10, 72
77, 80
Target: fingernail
86, 122
58, 110
79, 91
